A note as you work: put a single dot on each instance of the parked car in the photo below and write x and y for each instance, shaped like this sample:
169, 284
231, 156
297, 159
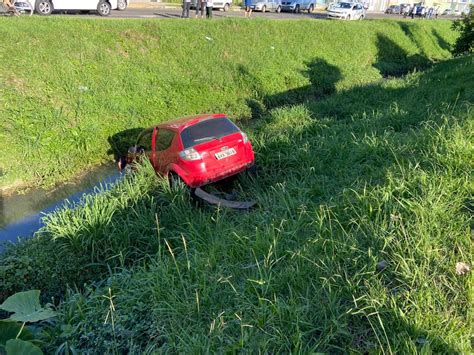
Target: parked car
122, 4
347, 11
298, 5
23, 7
197, 150
267, 5
217, 4
46, 7
450, 12
393, 9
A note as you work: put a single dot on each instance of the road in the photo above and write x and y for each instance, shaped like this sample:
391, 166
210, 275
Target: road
170, 13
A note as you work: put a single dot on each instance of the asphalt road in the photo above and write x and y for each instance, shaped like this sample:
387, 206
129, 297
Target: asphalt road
170, 13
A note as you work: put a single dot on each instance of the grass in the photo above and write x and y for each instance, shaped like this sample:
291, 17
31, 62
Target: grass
365, 207
76, 87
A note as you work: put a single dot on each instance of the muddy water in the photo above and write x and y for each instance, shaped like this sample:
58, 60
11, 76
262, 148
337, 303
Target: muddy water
20, 214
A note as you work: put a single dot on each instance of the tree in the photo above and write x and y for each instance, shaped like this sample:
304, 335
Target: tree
465, 42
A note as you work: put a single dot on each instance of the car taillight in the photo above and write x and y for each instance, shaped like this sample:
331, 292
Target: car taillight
190, 154
244, 136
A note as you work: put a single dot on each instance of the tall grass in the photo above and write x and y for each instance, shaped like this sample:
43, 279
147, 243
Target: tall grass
364, 210
74, 88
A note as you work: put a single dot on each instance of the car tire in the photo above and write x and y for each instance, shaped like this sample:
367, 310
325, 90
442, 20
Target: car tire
104, 8
297, 9
226, 7
278, 9
44, 7
348, 17
175, 181
264, 9
122, 5
361, 17
310, 9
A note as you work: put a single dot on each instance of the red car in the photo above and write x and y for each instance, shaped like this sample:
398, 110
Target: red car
199, 149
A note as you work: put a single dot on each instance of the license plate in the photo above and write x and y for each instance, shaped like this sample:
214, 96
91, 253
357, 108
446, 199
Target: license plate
225, 153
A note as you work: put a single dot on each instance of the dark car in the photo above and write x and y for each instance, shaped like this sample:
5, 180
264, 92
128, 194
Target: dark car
393, 9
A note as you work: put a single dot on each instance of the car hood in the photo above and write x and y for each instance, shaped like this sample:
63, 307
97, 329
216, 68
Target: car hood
339, 10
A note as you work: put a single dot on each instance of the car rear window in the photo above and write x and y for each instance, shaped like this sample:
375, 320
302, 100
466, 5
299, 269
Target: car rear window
208, 130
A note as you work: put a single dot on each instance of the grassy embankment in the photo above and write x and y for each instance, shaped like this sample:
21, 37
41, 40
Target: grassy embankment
73, 84
364, 194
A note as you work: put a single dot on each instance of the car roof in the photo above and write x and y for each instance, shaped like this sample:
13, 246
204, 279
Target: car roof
181, 123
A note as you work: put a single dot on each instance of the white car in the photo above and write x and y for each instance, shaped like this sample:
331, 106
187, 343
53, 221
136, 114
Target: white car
122, 4
217, 4
266, 5
346, 11
46, 7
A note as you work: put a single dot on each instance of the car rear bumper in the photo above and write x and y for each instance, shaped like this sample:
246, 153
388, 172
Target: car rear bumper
210, 176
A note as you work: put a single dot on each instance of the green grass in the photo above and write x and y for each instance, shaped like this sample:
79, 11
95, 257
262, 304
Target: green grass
371, 173
74, 86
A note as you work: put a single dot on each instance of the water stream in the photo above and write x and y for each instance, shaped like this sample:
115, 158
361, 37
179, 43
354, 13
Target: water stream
21, 214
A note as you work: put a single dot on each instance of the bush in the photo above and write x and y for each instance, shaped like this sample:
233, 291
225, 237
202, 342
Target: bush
465, 42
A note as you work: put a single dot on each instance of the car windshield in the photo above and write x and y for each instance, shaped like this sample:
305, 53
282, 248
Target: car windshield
207, 130
343, 5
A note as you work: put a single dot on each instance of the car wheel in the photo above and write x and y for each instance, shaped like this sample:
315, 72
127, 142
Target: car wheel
103, 8
361, 17
226, 7
122, 5
348, 17
264, 9
310, 9
297, 9
176, 182
44, 7
278, 9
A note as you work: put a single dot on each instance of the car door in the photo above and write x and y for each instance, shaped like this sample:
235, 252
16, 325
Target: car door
355, 12
144, 143
75, 4
163, 151
360, 11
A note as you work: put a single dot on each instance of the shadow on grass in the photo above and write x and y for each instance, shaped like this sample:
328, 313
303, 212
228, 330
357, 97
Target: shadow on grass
2, 212
121, 141
323, 78
392, 60
441, 41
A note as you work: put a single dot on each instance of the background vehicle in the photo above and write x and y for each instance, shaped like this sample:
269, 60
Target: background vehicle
122, 4
46, 7
451, 12
197, 150
347, 11
217, 4
298, 5
267, 5
393, 9
23, 7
